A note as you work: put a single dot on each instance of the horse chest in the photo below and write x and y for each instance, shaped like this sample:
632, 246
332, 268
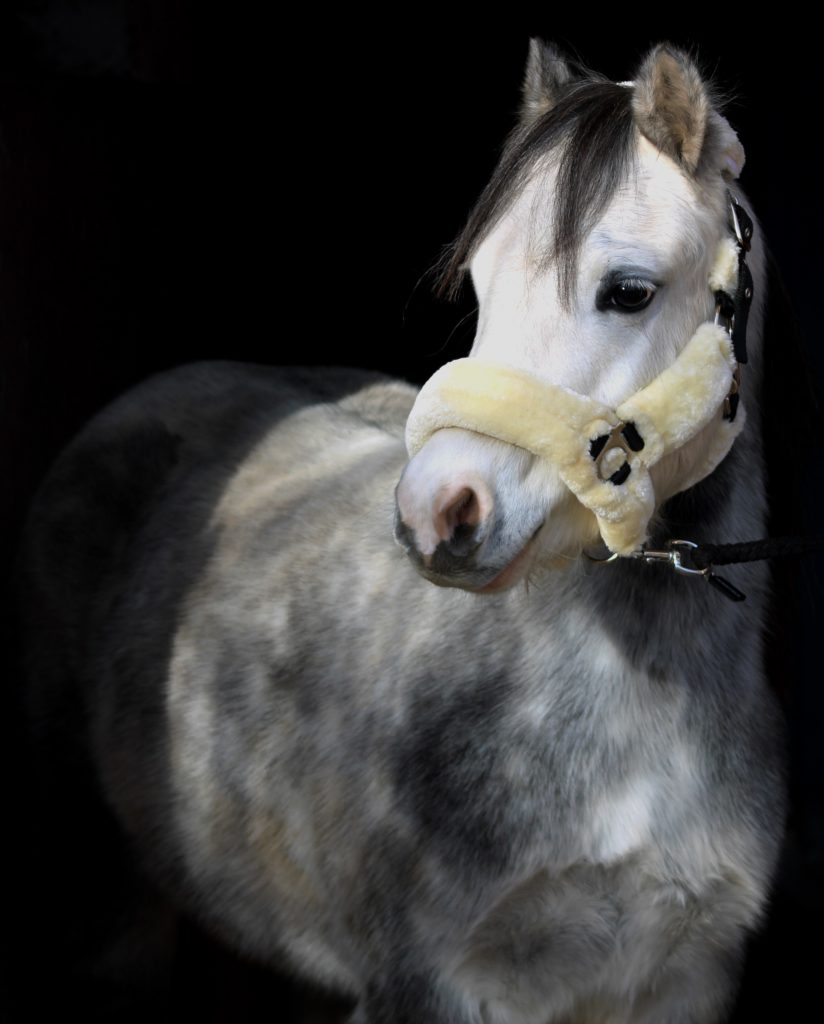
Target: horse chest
614, 856
578, 761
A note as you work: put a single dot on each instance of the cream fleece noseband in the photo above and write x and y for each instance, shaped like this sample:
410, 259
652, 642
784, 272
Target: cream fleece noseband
603, 455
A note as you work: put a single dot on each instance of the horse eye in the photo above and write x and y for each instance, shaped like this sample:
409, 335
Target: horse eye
630, 295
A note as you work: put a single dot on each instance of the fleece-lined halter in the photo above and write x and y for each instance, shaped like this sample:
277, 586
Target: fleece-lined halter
604, 455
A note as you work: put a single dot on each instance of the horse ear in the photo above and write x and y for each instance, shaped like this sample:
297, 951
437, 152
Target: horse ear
673, 107
547, 73
722, 149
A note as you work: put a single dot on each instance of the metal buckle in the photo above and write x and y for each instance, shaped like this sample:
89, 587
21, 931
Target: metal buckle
673, 556
729, 590
616, 439
743, 233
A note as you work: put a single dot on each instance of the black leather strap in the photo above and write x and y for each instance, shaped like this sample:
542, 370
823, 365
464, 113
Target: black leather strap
742, 227
734, 310
742, 302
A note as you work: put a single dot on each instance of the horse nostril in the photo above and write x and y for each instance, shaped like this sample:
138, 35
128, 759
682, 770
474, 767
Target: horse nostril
458, 510
442, 520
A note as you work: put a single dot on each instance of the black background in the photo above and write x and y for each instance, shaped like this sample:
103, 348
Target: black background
175, 188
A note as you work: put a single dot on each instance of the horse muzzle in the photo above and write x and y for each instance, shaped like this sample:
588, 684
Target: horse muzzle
463, 514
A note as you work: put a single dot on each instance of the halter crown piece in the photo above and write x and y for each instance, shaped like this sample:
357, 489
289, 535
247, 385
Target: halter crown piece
604, 455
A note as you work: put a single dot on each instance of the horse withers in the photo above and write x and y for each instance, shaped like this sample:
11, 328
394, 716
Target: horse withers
546, 804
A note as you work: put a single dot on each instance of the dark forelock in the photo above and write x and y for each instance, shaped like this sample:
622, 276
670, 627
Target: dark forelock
592, 125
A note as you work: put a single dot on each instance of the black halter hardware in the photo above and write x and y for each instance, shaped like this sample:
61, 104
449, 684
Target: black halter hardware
734, 310
626, 437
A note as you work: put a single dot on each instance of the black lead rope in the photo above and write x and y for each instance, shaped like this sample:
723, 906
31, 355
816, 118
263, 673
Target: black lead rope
691, 559
707, 555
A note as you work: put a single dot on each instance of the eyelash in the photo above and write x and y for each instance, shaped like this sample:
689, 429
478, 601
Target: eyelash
609, 299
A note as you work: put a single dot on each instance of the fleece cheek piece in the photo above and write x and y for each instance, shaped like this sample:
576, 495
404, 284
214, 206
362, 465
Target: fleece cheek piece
603, 455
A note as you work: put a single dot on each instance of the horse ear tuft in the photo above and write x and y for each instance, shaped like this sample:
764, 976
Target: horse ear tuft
672, 105
547, 74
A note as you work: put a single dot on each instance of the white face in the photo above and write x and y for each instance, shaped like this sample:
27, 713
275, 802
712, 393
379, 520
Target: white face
641, 292
654, 233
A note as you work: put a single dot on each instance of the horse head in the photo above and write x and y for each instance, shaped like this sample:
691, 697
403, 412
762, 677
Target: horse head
590, 252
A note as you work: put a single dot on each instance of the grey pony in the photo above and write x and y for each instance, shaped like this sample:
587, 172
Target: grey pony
390, 787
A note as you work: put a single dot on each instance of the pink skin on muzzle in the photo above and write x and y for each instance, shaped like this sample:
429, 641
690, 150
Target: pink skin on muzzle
468, 508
